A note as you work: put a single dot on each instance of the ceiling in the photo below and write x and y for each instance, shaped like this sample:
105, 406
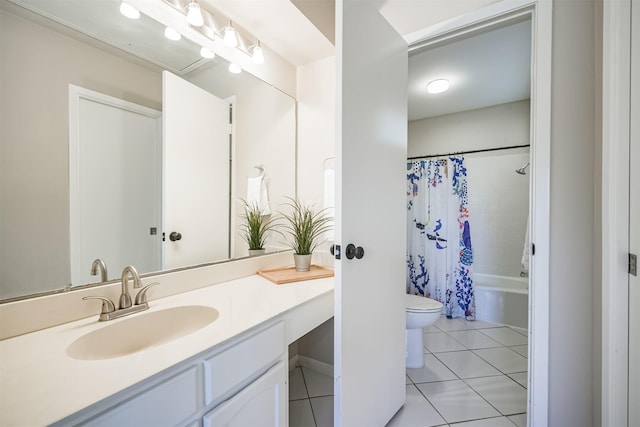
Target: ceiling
487, 69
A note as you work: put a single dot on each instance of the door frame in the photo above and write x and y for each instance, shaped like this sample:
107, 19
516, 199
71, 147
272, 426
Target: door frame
540, 13
616, 89
77, 93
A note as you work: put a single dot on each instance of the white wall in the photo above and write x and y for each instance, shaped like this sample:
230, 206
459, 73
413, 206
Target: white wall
498, 197
316, 134
316, 143
574, 123
471, 130
37, 66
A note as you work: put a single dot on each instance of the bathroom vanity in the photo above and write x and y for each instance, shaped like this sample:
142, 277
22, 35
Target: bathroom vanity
233, 368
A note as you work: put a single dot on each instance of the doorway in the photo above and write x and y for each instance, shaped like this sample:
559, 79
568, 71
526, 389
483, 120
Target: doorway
478, 23
115, 208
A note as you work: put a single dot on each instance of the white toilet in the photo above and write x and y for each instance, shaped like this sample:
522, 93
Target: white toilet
421, 312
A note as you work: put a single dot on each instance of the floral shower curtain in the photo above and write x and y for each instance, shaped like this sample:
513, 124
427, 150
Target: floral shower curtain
439, 253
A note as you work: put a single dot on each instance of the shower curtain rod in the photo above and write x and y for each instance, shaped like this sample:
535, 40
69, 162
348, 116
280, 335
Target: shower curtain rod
469, 152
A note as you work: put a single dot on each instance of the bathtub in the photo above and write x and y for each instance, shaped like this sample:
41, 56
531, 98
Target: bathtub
502, 299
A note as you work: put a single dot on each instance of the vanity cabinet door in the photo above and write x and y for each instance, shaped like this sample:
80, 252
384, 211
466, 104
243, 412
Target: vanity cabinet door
261, 403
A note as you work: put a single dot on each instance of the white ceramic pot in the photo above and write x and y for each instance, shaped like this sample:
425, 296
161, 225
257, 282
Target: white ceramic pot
302, 262
256, 252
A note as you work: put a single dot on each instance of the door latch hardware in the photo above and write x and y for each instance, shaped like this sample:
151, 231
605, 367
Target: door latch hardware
633, 264
335, 251
153, 231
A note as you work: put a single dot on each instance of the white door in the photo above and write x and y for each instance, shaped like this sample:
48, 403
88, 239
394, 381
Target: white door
634, 217
196, 133
371, 142
115, 151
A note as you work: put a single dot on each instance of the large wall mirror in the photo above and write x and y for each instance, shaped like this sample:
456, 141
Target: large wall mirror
44, 65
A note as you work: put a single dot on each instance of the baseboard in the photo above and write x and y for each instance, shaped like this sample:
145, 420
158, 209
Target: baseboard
314, 365
293, 362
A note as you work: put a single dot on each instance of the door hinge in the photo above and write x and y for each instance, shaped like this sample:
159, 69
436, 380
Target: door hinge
533, 249
633, 264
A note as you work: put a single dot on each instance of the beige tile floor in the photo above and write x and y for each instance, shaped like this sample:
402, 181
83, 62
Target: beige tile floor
475, 375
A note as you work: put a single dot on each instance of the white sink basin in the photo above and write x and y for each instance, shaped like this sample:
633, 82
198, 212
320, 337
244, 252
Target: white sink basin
130, 335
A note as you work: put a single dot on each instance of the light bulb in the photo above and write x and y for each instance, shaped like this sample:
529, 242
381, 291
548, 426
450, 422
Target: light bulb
230, 38
194, 15
234, 68
129, 11
172, 34
438, 86
257, 56
207, 53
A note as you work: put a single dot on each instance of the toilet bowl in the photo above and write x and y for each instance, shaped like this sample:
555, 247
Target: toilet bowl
421, 312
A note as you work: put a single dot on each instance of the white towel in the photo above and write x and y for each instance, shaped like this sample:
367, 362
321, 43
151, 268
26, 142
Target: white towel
525, 249
330, 198
257, 194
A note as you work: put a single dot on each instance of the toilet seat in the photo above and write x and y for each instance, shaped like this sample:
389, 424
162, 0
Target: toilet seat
418, 304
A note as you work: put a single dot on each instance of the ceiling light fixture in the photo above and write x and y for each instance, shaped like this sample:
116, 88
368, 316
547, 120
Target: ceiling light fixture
438, 86
172, 34
229, 36
194, 14
257, 56
129, 11
207, 53
234, 68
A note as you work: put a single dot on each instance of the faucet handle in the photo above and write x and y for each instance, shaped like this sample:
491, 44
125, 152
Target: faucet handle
141, 297
107, 305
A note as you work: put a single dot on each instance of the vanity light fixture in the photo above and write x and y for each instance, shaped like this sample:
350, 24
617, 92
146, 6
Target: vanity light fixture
194, 14
257, 56
229, 36
438, 86
172, 34
207, 53
234, 68
129, 11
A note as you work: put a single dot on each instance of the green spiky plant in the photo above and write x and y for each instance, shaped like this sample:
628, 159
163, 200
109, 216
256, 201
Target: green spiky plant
256, 227
305, 226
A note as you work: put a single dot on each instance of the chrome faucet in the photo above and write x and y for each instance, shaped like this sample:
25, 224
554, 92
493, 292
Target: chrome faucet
125, 298
99, 264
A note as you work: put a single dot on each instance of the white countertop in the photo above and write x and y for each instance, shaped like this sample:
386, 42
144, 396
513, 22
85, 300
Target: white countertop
41, 384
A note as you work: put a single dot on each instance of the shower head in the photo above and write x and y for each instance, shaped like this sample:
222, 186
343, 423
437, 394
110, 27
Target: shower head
523, 170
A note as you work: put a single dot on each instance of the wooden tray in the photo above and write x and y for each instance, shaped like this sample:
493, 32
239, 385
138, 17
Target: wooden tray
289, 274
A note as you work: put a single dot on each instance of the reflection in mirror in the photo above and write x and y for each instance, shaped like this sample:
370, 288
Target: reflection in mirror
41, 59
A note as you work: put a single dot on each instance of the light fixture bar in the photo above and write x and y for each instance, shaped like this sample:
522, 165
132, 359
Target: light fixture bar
213, 26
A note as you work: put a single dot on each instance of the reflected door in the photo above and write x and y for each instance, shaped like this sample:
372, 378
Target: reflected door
115, 177
196, 135
371, 147
634, 223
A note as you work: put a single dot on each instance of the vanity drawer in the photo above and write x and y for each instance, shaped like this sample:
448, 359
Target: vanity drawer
242, 363
166, 404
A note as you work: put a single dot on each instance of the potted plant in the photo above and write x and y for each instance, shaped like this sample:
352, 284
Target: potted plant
305, 228
256, 227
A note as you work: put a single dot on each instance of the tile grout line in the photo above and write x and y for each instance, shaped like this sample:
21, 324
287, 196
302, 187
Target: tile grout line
488, 376
306, 389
